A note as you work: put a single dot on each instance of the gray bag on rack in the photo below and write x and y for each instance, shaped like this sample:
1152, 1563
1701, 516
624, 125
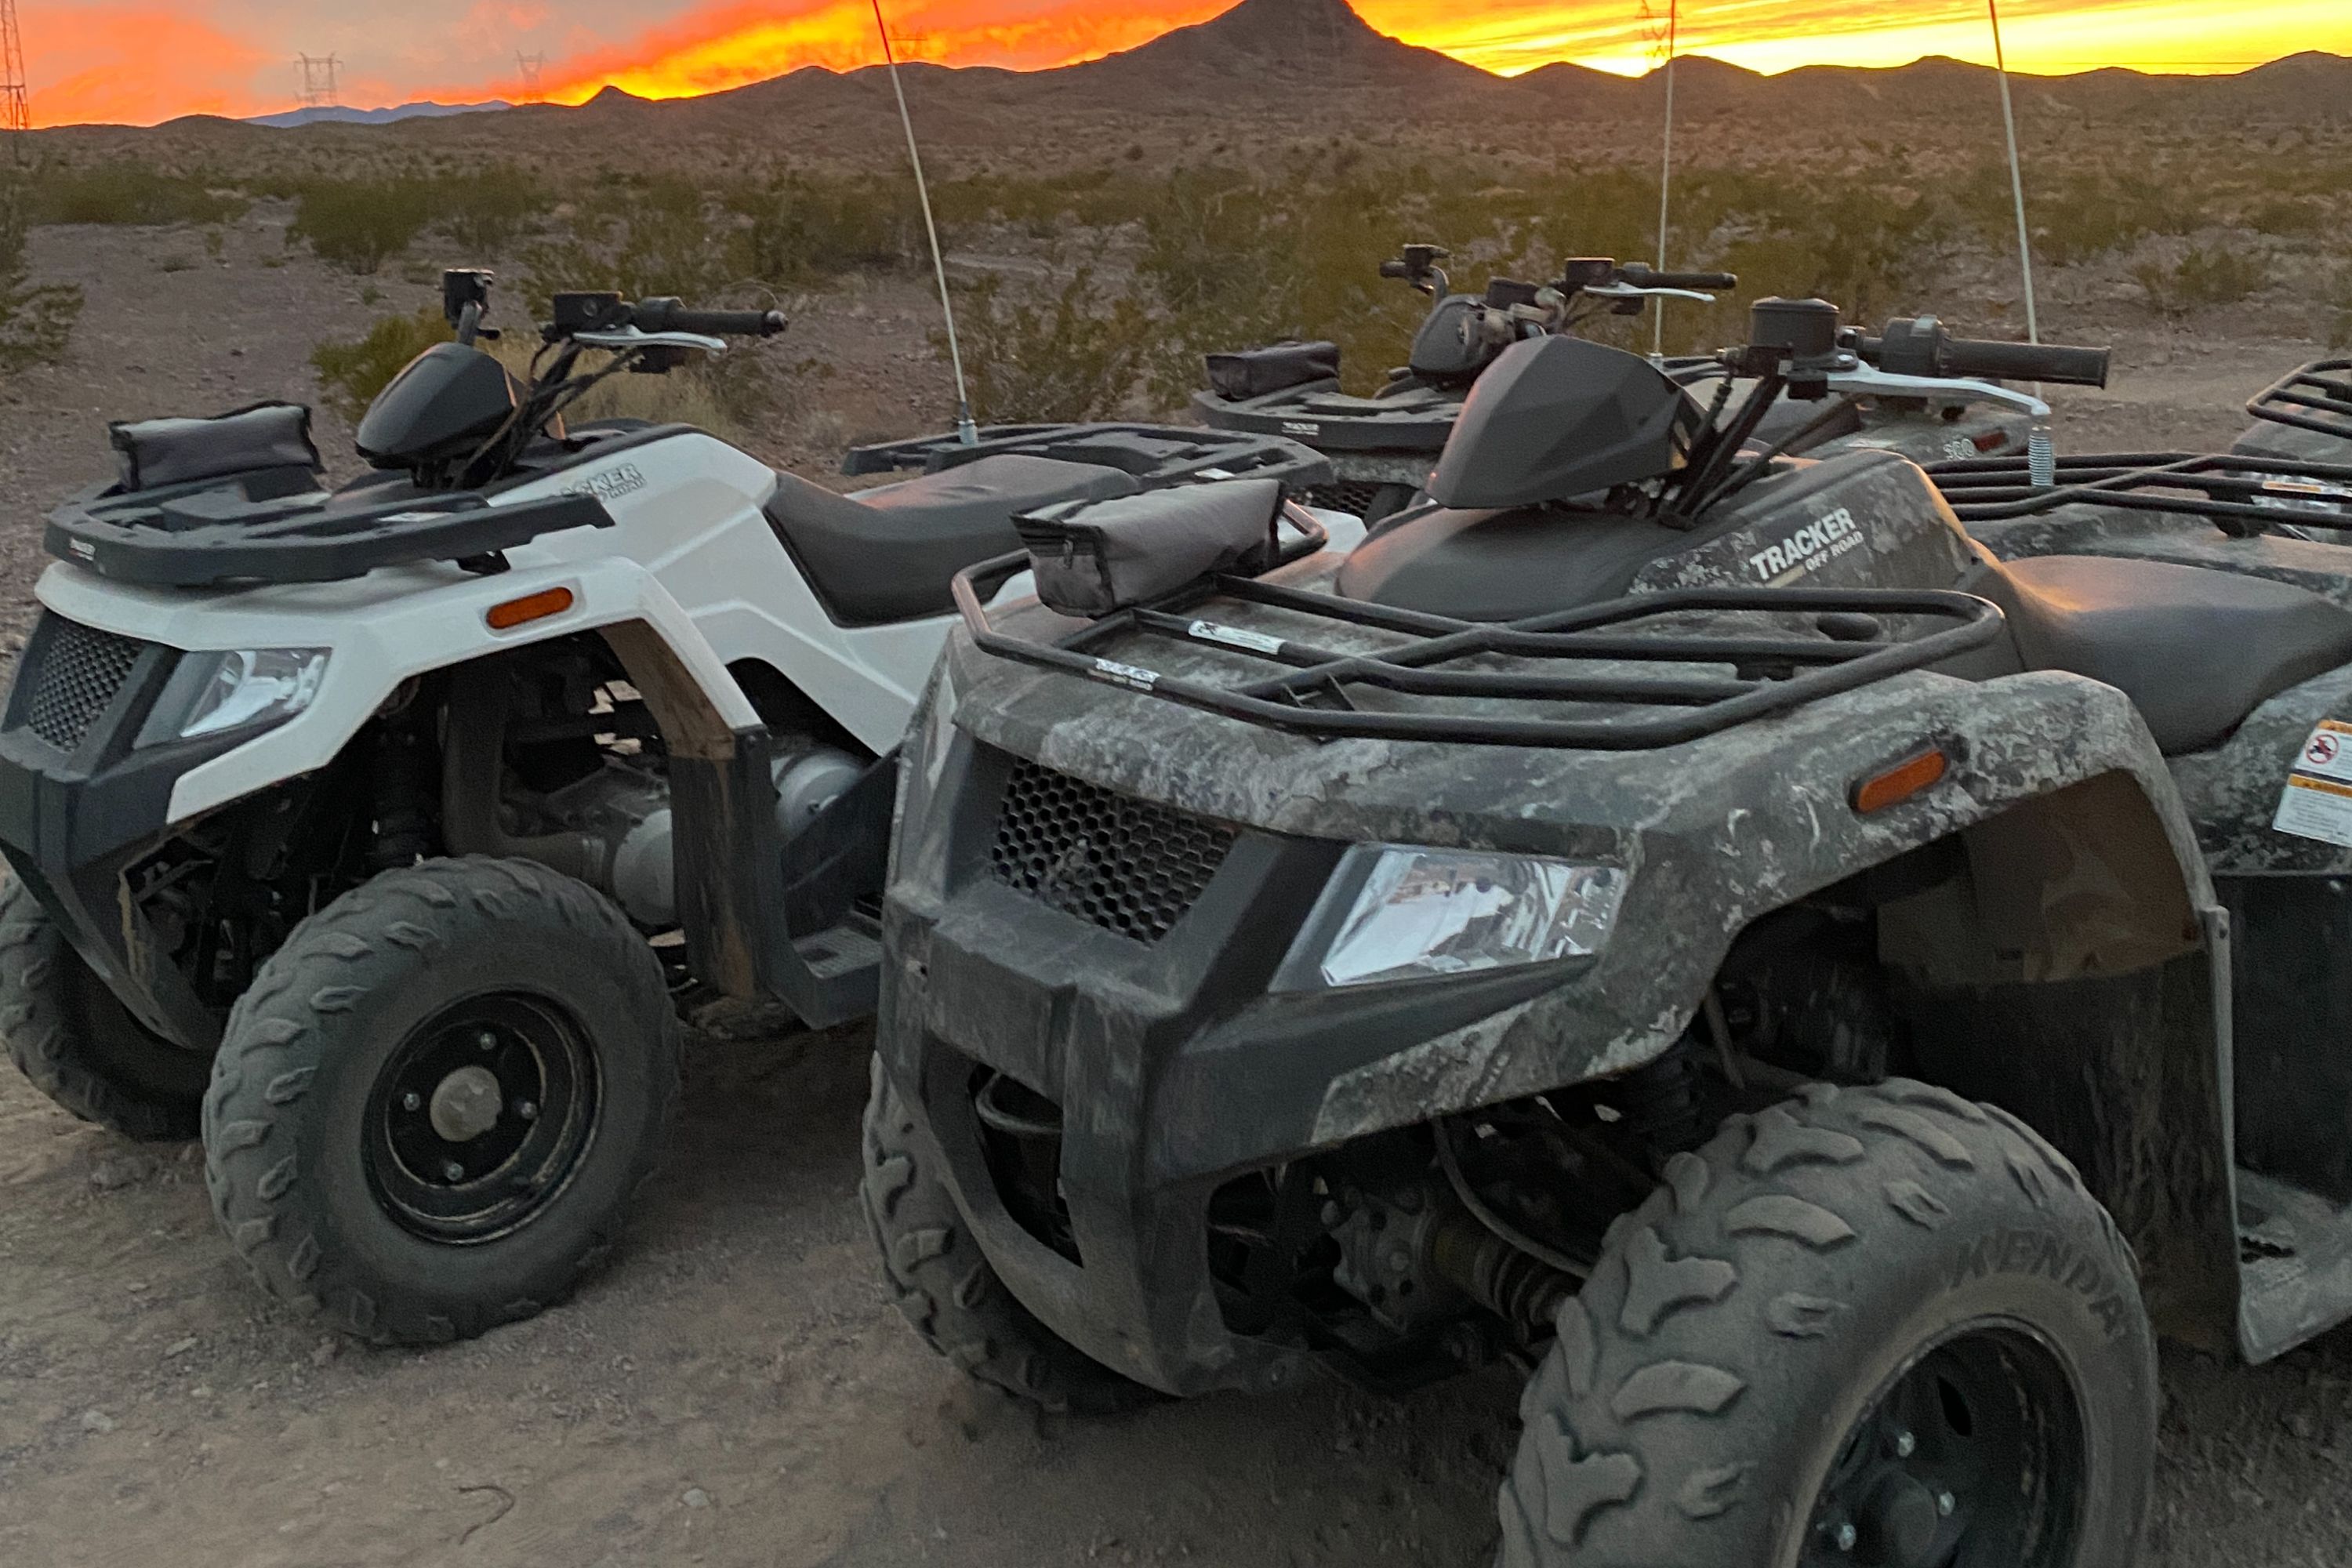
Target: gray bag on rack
1092, 558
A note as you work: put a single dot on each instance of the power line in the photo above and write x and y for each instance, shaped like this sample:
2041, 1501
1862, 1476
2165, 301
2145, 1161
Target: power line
318, 89
15, 113
531, 66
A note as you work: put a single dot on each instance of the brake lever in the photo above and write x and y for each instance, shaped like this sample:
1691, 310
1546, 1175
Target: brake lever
633, 338
1627, 291
1870, 380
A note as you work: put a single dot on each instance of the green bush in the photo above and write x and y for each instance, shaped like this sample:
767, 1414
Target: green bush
36, 319
484, 210
801, 232
352, 372
2220, 275
645, 236
358, 225
1074, 352
129, 194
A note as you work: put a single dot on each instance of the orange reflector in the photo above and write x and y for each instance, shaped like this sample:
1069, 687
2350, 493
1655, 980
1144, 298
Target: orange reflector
529, 607
1901, 782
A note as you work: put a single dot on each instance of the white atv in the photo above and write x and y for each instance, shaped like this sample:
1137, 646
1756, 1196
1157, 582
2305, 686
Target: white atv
377, 833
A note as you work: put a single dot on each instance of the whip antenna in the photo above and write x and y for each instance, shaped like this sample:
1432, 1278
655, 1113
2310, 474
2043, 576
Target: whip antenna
966, 431
1666, 182
2041, 454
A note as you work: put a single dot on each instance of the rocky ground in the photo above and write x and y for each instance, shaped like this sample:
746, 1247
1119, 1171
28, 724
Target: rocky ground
735, 1388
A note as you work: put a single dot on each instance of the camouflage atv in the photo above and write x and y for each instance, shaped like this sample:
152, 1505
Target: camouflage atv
1823, 994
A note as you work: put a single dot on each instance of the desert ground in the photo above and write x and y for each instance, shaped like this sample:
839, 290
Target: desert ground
735, 1388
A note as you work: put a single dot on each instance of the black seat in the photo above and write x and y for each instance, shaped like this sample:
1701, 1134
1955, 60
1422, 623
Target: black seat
887, 555
2196, 651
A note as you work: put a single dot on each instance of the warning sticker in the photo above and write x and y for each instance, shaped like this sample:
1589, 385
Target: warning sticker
1235, 636
2328, 754
2316, 809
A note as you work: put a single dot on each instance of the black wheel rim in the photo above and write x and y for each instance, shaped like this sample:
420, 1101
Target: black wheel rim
481, 1117
1972, 1456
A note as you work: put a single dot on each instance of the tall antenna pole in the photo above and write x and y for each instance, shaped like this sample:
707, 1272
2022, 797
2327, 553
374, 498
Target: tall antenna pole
1665, 180
966, 431
2016, 176
15, 113
2040, 448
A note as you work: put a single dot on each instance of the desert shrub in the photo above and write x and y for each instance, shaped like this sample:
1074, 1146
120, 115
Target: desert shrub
2285, 216
1072, 353
484, 209
2077, 216
36, 319
644, 236
2338, 307
357, 224
712, 394
2219, 276
129, 194
352, 373
801, 231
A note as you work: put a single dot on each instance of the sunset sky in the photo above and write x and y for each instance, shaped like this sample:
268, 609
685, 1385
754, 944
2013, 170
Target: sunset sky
140, 61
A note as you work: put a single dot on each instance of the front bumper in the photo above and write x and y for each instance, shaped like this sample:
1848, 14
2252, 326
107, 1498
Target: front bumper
1174, 1065
80, 806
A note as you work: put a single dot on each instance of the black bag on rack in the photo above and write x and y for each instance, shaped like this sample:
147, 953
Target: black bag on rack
1253, 372
158, 452
1092, 558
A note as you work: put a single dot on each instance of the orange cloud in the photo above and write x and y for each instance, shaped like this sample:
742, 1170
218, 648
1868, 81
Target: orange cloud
737, 42
129, 64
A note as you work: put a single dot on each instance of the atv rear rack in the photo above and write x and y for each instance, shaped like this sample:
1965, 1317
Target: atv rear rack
2316, 396
1772, 674
2238, 492
275, 526
1159, 454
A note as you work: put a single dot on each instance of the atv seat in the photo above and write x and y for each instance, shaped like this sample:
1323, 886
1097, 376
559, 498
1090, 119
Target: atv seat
888, 553
2196, 651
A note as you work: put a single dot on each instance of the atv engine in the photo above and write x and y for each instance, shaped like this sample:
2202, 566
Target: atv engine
626, 804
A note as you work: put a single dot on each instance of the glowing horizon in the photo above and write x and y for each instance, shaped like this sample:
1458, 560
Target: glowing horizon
119, 61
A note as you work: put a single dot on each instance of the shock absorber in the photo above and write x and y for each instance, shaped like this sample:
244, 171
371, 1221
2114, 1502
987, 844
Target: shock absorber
1507, 1282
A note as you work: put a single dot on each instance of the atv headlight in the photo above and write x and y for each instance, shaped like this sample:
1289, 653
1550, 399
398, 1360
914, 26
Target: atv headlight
253, 686
1411, 913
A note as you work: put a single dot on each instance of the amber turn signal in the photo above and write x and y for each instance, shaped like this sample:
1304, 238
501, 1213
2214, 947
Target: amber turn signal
529, 607
1901, 782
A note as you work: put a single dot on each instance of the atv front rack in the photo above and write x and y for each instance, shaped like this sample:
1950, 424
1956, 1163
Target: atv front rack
2316, 398
276, 526
1418, 420
1156, 454
1771, 674
2237, 492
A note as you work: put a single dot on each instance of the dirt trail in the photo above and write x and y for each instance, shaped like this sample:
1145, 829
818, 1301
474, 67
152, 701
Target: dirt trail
735, 1388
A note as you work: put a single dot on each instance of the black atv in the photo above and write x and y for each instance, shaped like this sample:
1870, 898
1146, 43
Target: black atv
1690, 921
1381, 448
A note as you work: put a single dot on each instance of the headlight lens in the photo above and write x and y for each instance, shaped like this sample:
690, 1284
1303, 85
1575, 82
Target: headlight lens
1418, 912
252, 686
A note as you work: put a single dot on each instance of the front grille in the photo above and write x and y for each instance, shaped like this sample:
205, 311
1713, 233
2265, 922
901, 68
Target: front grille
1353, 497
79, 670
1128, 866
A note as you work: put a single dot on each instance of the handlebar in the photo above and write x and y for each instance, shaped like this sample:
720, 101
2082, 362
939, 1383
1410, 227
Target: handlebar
670, 315
1639, 277
1918, 345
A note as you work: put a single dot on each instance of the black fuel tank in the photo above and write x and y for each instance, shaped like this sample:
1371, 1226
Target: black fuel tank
1557, 417
443, 404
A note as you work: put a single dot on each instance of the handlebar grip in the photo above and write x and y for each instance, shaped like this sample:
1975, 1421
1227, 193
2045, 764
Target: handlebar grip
1642, 276
1394, 270
2026, 362
669, 316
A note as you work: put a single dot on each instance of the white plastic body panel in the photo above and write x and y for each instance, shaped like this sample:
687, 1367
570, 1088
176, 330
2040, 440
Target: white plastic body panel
689, 553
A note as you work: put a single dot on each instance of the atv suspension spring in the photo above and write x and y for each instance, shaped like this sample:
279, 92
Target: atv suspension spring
403, 784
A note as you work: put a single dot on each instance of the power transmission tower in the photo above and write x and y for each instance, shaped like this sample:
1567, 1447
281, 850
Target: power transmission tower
529, 65
15, 113
319, 81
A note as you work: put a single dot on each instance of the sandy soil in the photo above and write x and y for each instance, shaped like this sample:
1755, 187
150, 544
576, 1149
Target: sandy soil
735, 1389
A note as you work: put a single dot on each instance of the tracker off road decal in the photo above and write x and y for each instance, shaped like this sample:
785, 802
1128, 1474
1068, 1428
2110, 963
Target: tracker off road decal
1798, 553
2317, 800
